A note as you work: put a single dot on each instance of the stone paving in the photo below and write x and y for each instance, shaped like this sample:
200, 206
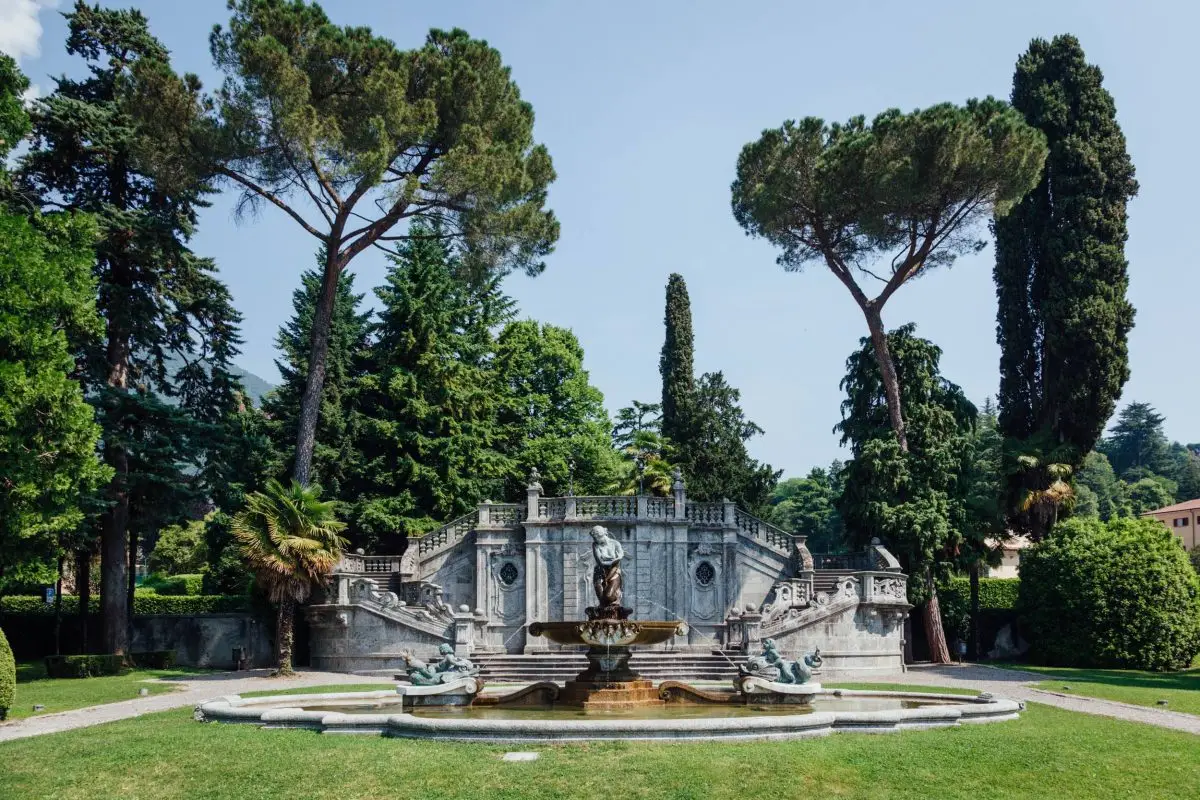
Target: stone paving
1012, 684
196, 688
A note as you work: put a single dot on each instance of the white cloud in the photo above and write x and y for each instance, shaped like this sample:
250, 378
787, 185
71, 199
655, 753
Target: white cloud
20, 28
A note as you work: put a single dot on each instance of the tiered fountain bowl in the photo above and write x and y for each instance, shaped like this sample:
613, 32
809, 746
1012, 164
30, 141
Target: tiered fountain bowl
608, 683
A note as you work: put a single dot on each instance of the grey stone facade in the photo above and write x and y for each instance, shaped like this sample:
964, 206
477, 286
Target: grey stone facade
478, 581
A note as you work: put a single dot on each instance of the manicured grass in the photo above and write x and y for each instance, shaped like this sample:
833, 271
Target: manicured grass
1181, 690
64, 694
1047, 753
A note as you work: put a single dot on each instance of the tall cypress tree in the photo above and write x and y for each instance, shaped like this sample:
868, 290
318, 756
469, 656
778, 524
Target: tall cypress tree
675, 364
1063, 318
158, 300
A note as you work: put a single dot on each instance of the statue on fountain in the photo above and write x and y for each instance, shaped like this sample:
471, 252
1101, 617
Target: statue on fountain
449, 668
770, 665
606, 577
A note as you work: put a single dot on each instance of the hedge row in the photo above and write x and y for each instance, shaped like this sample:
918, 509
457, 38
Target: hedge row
143, 604
8, 677
175, 584
997, 597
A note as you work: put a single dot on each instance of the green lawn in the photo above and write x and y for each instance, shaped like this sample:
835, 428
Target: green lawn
64, 694
1047, 753
1181, 690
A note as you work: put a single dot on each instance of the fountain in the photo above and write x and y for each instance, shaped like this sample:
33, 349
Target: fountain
608, 683
773, 697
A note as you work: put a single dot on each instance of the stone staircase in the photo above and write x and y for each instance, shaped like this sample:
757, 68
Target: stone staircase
655, 665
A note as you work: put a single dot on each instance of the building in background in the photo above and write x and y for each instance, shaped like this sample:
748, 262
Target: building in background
1181, 519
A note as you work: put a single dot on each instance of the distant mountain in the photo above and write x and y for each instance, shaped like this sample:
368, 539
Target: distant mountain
256, 387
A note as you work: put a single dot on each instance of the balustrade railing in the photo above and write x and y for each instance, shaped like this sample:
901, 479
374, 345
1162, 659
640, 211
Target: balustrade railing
618, 507
705, 513
762, 530
660, 508
450, 532
848, 562
501, 514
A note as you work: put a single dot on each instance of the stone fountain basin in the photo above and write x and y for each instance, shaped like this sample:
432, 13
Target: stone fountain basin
609, 632
285, 711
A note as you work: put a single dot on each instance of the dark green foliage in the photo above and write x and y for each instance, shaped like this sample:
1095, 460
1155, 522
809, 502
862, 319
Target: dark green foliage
159, 301
675, 362
713, 454
1137, 441
175, 584
352, 137
184, 605
646, 456
8, 675
1119, 594
886, 201
48, 434
1148, 494
808, 506
226, 571
997, 596
1097, 477
179, 549
1063, 318
334, 455
551, 417
428, 423
84, 666
153, 659
915, 500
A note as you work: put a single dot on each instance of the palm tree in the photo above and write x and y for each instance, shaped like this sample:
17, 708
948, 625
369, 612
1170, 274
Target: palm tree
290, 538
1039, 485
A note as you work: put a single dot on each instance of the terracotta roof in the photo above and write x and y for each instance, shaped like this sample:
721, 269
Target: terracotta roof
1190, 505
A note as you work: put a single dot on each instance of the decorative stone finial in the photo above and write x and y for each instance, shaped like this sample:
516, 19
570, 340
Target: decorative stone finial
535, 479
677, 479
875, 541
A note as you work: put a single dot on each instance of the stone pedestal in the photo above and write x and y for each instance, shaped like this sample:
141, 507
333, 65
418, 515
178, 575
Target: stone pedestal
608, 684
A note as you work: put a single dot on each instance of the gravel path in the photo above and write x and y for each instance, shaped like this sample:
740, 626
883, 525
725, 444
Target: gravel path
1015, 684
196, 689
1000, 682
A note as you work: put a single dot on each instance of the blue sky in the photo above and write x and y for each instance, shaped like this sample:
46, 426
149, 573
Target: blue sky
645, 106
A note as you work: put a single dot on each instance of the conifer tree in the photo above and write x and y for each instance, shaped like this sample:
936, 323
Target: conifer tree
427, 428
1061, 275
158, 300
675, 364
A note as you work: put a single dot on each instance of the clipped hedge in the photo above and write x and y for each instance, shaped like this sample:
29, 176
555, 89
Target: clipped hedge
178, 585
84, 666
188, 605
8, 676
1120, 594
997, 598
153, 659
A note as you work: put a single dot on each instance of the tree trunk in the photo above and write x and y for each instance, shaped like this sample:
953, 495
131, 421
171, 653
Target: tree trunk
114, 605
83, 589
973, 627
935, 635
310, 403
114, 602
132, 584
284, 635
62, 560
887, 369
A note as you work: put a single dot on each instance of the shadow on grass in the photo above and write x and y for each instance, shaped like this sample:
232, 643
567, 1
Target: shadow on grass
1187, 680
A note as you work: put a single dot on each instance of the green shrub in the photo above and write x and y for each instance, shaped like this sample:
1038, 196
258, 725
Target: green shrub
176, 585
153, 659
84, 666
1119, 594
142, 604
8, 676
996, 596
180, 549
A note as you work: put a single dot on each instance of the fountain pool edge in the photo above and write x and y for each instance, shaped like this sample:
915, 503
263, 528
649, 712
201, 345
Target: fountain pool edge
282, 711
